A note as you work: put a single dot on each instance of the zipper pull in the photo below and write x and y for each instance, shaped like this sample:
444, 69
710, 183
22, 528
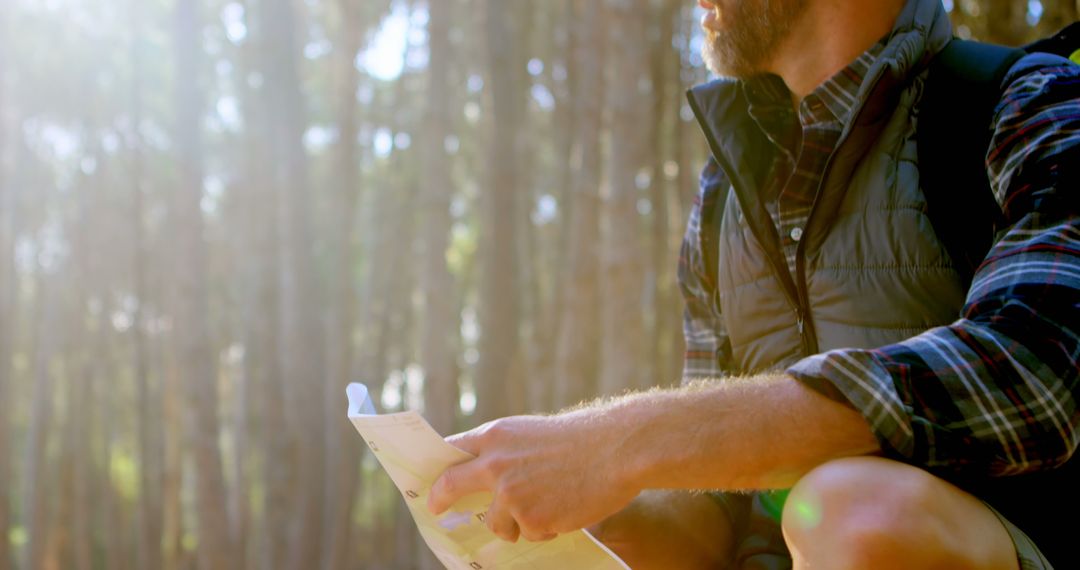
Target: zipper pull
799, 322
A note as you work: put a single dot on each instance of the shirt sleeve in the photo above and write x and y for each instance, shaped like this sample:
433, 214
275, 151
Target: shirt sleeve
995, 392
708, 349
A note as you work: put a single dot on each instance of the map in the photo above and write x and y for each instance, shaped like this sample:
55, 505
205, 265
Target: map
414, 455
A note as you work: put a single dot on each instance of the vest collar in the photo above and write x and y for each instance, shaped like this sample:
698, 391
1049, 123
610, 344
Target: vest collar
921, 31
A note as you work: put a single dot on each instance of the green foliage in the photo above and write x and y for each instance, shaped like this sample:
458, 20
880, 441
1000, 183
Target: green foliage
124, 473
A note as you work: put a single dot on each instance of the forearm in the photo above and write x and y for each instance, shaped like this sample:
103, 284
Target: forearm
554, 474
755, 433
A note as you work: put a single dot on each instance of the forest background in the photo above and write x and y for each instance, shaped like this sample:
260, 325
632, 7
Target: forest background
216, 213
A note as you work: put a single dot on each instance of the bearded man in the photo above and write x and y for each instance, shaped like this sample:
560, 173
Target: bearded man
825, 353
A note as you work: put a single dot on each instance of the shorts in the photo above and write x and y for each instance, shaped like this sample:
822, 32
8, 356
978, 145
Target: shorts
1030, 556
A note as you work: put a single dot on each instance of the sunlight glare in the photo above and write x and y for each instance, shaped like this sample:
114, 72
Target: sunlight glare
384, 59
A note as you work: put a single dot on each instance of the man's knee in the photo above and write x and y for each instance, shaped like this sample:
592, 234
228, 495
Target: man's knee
868, 512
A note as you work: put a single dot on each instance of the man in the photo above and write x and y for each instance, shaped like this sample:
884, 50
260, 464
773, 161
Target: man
824, 350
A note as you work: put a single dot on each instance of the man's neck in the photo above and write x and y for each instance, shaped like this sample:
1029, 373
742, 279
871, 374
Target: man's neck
830, 35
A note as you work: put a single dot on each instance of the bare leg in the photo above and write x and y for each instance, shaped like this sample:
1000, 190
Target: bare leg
869, 512
669, 529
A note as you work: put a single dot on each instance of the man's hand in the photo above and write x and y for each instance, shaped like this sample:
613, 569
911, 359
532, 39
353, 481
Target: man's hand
557, 474
549, 475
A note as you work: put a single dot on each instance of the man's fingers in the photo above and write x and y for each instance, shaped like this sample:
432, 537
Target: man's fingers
456, 482
501, 522
537, 536
469, 442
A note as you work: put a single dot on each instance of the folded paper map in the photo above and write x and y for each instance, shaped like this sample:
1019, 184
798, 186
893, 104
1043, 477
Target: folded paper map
414, 455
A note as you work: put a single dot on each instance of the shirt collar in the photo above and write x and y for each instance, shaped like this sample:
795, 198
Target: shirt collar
839, 94
832, 101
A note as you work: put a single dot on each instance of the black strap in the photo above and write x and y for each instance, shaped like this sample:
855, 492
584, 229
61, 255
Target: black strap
954, 129
1064, 43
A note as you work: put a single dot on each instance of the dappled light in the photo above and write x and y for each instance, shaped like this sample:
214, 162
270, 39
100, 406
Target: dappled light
215, 214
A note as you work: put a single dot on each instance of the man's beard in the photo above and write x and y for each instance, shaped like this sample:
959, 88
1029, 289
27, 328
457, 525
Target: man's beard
752, 32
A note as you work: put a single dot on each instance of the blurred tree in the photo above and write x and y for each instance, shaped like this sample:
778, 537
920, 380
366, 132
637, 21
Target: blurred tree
342, 466
149, 403
36, 493
579, 329
8, 285
498, 287
413, 194
623, 260
259, 254
1057, 15
301, 341
662, 314
195, 349
437, 349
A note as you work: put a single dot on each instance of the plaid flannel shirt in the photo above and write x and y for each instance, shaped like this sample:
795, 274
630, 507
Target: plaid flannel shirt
996, 391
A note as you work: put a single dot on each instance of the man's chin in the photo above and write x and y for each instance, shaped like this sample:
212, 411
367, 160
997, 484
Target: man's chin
722, 66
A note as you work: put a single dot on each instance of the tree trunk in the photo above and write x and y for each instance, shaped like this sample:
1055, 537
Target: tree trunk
91, 352
498, 307
386, 304
1005, 21
688, 138
550, 247
300, 343
7, 303
105, 507
666, 61
1057, 15
196, 354
172, 483
149, 409
35, 494
658, 287
261, 307
684, 137
81, 424
343, 456
64, 520
379, 310
239, 497
579, 330
437, 354
623, 273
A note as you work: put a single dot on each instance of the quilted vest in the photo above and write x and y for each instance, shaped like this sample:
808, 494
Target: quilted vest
870, 269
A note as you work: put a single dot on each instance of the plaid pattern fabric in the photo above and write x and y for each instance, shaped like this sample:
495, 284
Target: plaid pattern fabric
708, 348
802, 149
995, 392
802, 144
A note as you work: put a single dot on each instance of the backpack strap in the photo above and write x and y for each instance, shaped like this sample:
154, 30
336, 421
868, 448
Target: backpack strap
962, 89
1065, 43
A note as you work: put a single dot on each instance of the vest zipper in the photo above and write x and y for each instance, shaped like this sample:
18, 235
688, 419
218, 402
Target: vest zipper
791, 293
806, 336
809, 337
